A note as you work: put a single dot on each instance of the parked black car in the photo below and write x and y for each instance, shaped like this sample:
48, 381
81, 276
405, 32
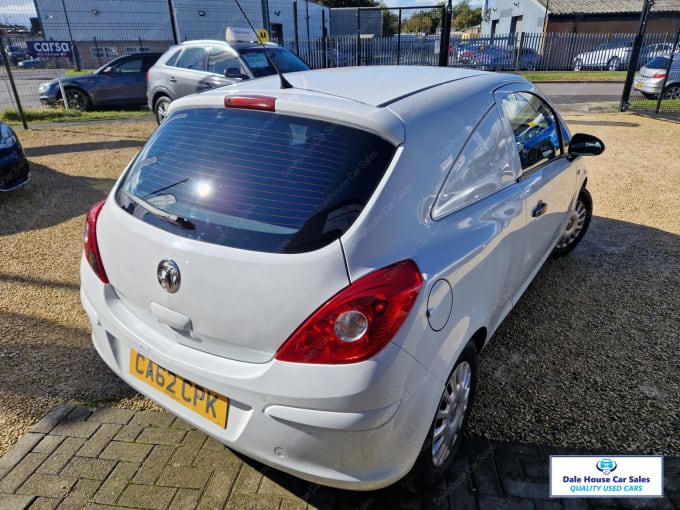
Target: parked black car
14, 171
121, 82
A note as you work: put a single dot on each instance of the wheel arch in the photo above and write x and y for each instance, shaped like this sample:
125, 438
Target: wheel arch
72, 86
158, 94
479, 339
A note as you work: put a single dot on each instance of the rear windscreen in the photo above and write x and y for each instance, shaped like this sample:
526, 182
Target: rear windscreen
254, 180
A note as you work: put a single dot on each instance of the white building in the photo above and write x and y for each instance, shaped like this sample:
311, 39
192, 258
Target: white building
103, 29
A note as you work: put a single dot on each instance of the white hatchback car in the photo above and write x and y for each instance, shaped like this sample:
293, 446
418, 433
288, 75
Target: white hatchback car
308, 274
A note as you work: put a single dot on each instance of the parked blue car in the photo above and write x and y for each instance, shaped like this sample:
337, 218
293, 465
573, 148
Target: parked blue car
121, 82
14, 171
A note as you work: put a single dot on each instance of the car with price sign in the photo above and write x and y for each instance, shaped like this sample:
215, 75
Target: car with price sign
197, 66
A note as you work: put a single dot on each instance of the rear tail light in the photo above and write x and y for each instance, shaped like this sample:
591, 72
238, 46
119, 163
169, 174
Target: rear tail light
265, 103
91, 247
359, 321
659, 74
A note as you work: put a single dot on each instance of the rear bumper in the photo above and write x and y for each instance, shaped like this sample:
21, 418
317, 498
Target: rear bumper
651, 86
356, 426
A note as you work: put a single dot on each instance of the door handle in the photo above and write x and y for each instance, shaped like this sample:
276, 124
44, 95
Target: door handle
540, 209
172, 79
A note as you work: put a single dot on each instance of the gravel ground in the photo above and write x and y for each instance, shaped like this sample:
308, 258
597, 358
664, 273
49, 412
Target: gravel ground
589, 357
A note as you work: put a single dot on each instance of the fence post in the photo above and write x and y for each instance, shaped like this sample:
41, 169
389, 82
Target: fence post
358, 36
518, 50
625, 95
297, 33
399, 39
173, 23
324, 41
446, 36
5, 59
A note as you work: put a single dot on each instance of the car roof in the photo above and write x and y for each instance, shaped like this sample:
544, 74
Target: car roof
342, 94
213, 42
389, 83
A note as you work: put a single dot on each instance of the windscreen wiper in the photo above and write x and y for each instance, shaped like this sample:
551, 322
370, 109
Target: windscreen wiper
175, 219
156, 191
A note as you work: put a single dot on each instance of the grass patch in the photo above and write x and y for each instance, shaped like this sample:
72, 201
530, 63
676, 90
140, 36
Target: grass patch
651, 103
73, 72
574, 75
11, 116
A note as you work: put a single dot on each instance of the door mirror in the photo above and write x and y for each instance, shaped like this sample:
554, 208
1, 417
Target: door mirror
585, 145
234, 72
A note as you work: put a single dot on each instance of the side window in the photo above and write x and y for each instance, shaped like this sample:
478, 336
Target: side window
193, 58
484, 166
221, 59
172, 61
535, 127
129, 66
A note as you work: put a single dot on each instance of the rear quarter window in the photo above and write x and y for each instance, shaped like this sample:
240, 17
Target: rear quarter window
657, 63
254, 180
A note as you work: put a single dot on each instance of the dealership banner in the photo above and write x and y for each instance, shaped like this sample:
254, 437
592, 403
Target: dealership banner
46, 49
625, 476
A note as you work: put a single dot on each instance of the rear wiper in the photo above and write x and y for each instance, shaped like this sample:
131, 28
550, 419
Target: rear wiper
181, 181
175, 219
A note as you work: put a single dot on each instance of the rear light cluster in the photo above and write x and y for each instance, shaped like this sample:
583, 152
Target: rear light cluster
359, 321
659, 74
91, 247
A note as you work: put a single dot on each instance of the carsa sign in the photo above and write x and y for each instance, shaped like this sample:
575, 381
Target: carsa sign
45, 49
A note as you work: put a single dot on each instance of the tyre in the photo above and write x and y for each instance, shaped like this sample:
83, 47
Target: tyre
160, 108
672, 91
448, 425
78, 99
578, 64
578, 224
614, 64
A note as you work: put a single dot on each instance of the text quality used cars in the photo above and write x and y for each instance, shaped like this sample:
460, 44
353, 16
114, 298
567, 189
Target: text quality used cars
308, 274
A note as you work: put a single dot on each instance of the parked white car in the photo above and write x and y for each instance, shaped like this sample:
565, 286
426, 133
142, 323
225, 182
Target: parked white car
308, 274
612, 56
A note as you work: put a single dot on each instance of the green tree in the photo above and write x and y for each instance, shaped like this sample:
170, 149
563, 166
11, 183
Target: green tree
390, 22
464, 16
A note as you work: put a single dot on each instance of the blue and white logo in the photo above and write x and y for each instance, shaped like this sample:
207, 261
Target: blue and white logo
606, 465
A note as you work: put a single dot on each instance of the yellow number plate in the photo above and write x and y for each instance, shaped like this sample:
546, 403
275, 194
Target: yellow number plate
202, 401
638, 85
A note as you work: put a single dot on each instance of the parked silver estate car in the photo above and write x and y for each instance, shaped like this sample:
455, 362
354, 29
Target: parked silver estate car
197, 66
308, 274
612, 56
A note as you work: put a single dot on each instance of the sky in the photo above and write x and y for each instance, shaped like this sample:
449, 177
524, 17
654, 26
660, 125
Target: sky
18, 12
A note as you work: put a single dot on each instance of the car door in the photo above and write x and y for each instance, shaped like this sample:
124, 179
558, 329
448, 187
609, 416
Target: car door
221, 61
123, 83
547, 177
186, 75
480, 206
